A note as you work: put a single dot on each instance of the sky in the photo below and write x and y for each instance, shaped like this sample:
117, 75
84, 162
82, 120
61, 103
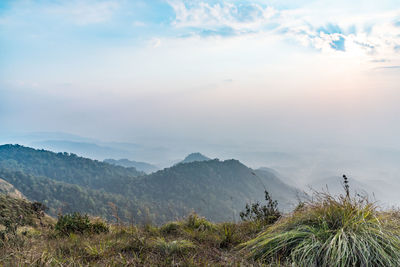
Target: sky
250, 74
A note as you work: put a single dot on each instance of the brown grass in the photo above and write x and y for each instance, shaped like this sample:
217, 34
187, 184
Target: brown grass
190, 242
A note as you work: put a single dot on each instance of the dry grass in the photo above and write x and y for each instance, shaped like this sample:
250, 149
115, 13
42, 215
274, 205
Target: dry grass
190, 242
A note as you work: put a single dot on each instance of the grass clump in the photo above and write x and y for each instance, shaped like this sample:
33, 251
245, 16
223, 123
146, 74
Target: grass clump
171, 228
329, 231
175, 247
77, 223
195, 222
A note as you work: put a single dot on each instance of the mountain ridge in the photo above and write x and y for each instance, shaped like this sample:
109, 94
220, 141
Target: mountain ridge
216, 189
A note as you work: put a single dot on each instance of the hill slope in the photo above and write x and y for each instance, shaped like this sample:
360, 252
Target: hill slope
8, 189
62, 197
18, 211
216, 189
68, 168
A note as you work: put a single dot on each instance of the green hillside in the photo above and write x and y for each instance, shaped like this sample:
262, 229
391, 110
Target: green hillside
67, 168
216, 189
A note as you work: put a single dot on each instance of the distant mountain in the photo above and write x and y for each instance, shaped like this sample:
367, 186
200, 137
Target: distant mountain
140, 166
89, 147
216, 189
40, 136
195, 157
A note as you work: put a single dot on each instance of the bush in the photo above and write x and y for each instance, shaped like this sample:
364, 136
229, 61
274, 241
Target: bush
266, 214
39, 207
331, 232
78, 224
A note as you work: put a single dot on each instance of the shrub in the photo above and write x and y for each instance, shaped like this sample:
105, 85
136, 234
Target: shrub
78, 224
331, 232
266, 214
39, 207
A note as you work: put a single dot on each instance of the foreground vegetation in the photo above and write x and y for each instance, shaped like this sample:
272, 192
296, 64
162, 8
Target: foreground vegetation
190, 242
331, 231
325, 231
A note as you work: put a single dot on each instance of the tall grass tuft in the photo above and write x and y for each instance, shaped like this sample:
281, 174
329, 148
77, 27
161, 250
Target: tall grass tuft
174, 247
331, 231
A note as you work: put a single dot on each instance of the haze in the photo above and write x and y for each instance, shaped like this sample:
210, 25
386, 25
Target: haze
310, 88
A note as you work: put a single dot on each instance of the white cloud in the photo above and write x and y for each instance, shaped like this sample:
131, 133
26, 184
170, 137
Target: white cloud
238, 17
373, 33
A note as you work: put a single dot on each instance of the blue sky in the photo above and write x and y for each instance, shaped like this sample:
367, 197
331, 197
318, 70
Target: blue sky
202, 70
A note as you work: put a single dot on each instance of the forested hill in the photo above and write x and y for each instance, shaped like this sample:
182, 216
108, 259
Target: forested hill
65, 167
216, 189
62, 197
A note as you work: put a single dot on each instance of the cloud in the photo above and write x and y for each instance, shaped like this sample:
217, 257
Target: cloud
326, 29
241, 17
